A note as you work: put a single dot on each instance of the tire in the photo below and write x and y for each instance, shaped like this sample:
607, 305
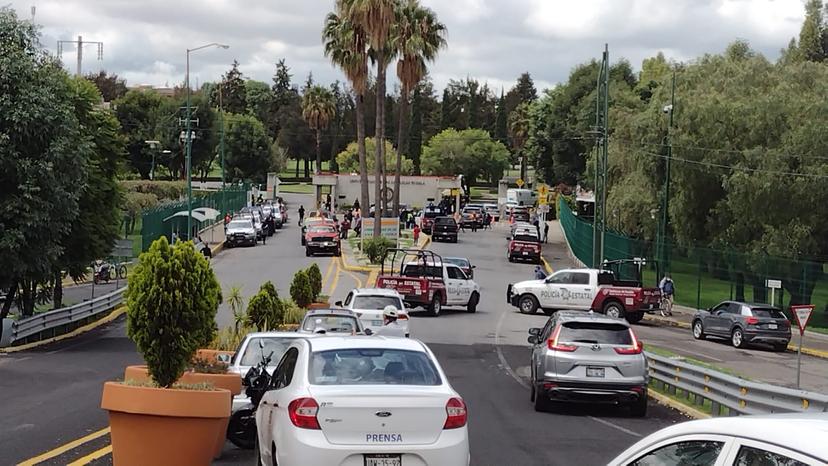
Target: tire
241, 429
472, 304
780, 348
639, 407
113, 274
614, 309
303, 241
528, 304
542, 403
737, 338
308, 252
511, 259
122, 272
634, 317
436, 306
533, 392
698, 330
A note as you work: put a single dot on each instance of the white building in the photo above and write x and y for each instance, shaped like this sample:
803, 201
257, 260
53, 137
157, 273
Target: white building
415, 191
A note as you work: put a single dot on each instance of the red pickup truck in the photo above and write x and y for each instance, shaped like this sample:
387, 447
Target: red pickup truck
524, 245
414, 275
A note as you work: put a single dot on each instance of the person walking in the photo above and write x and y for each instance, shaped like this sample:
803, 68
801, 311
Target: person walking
668, 290
301, 214
545, 231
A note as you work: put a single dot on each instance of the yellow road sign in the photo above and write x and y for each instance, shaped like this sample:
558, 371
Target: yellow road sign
519, 182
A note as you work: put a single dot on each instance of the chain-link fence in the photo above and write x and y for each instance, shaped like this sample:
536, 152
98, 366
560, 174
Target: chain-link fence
162, 221
705, 276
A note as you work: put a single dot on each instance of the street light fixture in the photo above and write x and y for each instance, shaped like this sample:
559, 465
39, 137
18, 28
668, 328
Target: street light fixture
190, 138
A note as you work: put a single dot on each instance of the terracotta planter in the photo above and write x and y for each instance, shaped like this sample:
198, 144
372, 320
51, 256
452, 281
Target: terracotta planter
230, 382
212, 355
312, 306
162, 426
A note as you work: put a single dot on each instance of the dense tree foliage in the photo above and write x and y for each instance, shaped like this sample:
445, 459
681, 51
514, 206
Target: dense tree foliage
110, 86
248, 149
348, 159
470, 152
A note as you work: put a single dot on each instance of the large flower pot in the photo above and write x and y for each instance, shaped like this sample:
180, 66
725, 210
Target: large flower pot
162, 426
213, 355
313, 306
230, 382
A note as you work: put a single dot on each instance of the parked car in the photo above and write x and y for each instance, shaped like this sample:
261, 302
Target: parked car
743, 324
427, 221
370, 401
257, 223
368, 305
331, 321
492, 210
250, 353
240, 230
322, 238
444, 229
770, 440
588, 358
524, 245
464, 264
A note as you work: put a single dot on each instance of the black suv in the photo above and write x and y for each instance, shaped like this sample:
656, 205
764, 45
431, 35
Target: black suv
445, 228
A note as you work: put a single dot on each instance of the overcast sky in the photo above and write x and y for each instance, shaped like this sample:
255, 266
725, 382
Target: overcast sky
491, 40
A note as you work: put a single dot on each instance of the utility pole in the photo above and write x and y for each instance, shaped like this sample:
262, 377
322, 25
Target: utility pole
79, 45
601, 158
664, 255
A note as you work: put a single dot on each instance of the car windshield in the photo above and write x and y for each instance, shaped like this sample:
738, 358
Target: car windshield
322, 229
526, 238
253, 353
239, 224
432, 213
372, 367
330, 324
767, 313
595, 332
444, 221
376, 302
457, 261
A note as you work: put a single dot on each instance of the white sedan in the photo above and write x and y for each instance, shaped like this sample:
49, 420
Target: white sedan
361, 401
368, 304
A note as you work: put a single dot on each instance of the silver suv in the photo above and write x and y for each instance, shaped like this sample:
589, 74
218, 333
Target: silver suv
588, 358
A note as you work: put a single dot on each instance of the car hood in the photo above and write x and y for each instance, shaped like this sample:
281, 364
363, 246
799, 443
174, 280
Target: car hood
321, 235
529, 284
230, 231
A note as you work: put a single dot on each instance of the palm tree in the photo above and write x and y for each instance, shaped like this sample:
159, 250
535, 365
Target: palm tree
346, 46
519, 132
376, 18
417, 38
318, 109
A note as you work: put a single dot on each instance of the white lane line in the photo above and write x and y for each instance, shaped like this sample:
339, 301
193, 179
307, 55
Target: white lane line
502, 358
615, 426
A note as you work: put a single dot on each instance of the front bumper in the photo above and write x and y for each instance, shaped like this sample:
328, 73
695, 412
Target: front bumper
321, 247
511, 298
240, 239
519, 255
586, 392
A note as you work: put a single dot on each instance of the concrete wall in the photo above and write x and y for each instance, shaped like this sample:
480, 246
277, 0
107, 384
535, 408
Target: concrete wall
415, 191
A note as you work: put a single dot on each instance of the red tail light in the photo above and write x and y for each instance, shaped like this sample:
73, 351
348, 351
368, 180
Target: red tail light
553, 344
636, 348
752, 321
302, 412
456, 414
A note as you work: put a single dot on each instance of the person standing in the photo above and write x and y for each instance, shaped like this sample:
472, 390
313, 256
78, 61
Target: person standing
391, 327
540, 274
545, 231
416, 235
668, 290
301, 214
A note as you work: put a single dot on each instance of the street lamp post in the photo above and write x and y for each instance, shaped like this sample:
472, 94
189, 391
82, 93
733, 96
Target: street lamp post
189, 139
670, 109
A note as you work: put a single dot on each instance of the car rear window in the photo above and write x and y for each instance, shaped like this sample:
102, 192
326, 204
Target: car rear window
376, 302
595, 332
330, 323
444, 221
432, 213
457, 261
374, 366
768, 313
415, 270
253, 353
527, 238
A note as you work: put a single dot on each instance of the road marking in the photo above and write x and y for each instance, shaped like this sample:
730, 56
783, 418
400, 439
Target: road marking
92, 456
615, 426
328, 272
353, 276
502, 358
64, 448
335, 278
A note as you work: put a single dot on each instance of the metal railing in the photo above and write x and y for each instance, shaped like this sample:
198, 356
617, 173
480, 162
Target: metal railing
59, 321
739, 396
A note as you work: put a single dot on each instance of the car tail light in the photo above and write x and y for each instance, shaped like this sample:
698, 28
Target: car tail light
553, 344
402, 316
456, 414
302, 412
636, 348
752, 321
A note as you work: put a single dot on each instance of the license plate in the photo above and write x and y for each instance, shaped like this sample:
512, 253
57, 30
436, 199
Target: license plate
595, 372
525, 253
773, 326
383, 460
376, 323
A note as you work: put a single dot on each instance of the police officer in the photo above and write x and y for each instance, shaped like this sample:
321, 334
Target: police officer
391, 327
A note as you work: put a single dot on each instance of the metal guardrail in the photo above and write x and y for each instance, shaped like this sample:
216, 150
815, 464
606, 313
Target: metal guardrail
739, 396
50, 322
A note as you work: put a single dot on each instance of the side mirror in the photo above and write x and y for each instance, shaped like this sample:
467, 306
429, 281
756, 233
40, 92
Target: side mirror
338, 304
474, 266
368, 332
533, 339
535, 331
223, 358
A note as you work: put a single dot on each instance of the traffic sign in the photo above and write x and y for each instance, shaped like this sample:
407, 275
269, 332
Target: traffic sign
519, 182
802, 314
775, 284
543, 194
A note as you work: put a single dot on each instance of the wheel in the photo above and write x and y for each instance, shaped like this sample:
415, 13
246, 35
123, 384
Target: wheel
698, 330
639, 407
541, 400
338, 252
780, 347
635, 317
308, 252
241, 429
113, 274
614, 309
532, 390
122, 272
303, 240
511, 259
528, 304
436, 306
737, 338
472, 304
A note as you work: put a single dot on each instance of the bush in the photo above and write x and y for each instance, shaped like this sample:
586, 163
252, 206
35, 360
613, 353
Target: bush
172, 299
315, 278
265, 310
300, 289
163, 190
377, 249
293, 313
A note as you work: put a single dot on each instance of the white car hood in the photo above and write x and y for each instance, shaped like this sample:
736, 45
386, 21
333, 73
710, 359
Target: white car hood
529, 284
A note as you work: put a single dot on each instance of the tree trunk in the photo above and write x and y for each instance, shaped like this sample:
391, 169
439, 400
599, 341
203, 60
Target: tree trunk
307, 166
28, 298
297, 167
402, 146
380, 139
4, 311
318, 151
57, 292
364, 203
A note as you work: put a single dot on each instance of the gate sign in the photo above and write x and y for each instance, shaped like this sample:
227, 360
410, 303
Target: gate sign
802, 314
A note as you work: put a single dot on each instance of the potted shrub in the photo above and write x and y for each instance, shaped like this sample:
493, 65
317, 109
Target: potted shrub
265, 310
172, 299
300, 290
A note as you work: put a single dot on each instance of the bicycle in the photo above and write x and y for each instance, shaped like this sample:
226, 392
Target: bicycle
666, 306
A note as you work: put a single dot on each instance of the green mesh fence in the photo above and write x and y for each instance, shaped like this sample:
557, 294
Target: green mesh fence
705, 276
159, 221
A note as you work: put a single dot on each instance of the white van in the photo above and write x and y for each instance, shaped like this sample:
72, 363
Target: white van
525, 197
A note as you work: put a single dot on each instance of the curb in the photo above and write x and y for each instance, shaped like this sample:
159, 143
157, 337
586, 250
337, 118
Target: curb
680, 407
117, 312
217, 249
546, 265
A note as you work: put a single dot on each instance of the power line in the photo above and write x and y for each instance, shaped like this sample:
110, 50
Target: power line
734, 167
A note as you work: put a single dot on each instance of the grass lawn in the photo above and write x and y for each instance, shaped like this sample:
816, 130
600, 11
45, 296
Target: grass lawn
298, 188
483, 192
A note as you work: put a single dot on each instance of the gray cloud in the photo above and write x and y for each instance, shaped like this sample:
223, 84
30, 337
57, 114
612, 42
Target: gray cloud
493, 40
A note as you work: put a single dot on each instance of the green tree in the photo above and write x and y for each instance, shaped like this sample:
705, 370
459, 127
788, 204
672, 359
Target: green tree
110, 86
502, 121
523, 92
172, 299
45, 155
519, 132
233, 91
140, 114
265, 310
348, 160
318, 109
471, 152
811, 36
259, 99
247, 148
300, 289
315, 279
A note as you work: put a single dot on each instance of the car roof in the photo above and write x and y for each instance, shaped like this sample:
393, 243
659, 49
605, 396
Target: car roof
323, 312
456, 259
366, 342
375, 292
751, 305
588, 316
273, 335
802, 432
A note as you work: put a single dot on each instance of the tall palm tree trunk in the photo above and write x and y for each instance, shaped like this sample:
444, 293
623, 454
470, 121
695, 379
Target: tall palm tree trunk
401, 148
363, 162
380, 139
318, 150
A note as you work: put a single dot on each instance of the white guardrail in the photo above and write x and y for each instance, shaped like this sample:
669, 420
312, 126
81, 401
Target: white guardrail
53, 323
739, 396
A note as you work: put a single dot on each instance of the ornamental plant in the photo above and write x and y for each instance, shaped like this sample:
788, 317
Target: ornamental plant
300, 289
315, 278
377, 249
172, 299
265, 310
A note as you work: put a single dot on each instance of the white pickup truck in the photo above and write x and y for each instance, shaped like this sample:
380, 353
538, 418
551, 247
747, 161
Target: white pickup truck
585, 289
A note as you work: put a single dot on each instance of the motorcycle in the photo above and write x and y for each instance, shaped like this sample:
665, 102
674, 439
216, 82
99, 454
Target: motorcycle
241, 430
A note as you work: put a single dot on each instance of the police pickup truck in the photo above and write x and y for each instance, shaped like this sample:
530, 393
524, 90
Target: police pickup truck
586, 289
